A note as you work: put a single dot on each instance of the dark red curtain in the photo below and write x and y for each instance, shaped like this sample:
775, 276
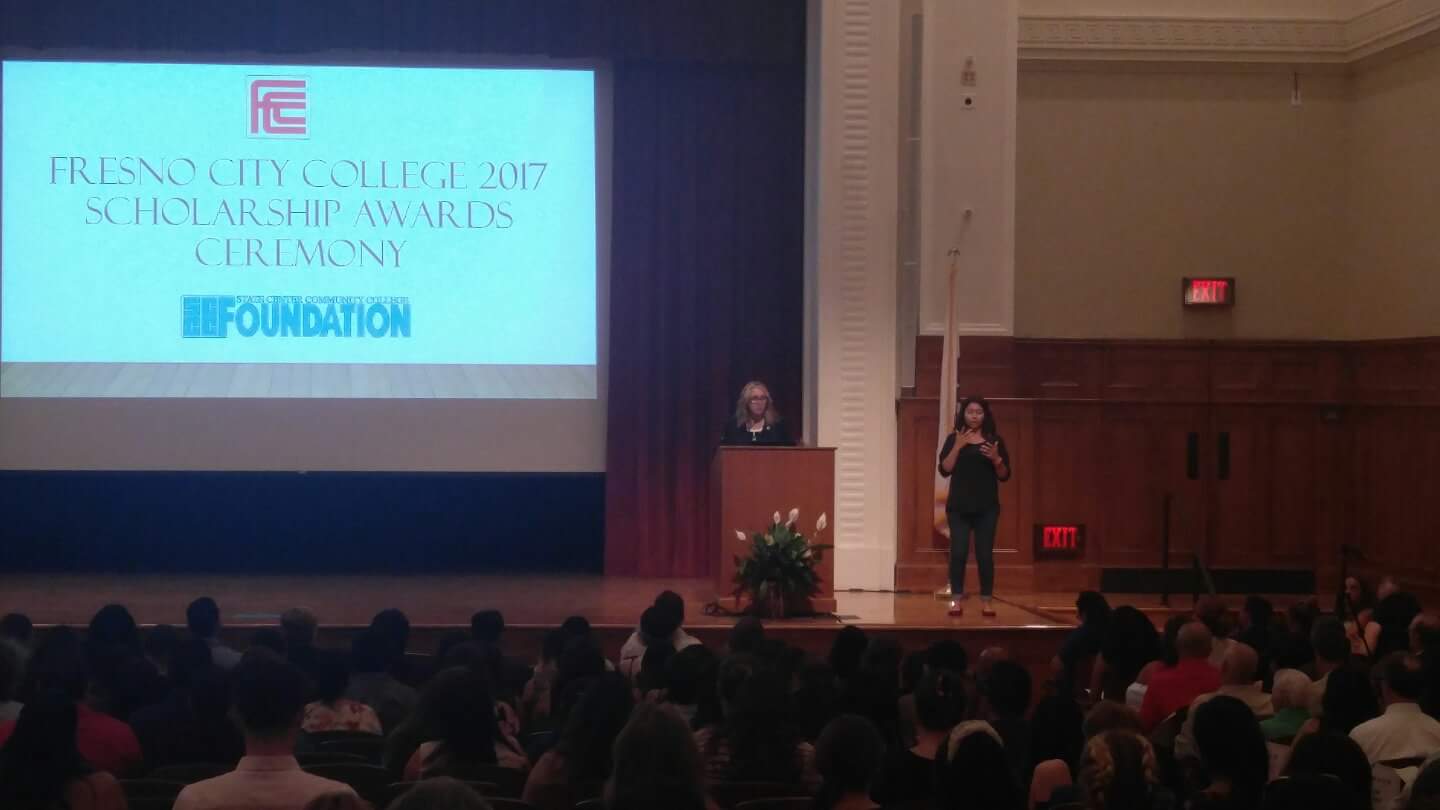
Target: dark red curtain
706, 291
708, 203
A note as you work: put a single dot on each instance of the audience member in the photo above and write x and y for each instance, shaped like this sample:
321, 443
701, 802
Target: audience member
746, 636
690, 681
1332, 652
1293, 649
1118, 772
1130, 643
269, 698
1291, 695
16, 627
59, 664
12, 672
1237, 680
1313, 791
581, 760
1232, 750
1332, 754
1176, 687
463, 734
440, 793
1084, 642
42, 768
1256, 619
1390, 630
1211, 612
662, 622
755, 741
270, 639
1403, 731
331, 710
372, 684
972, 772
848, 758
202, 616
847, 651
488, 627
907, 774
657, 765
1052, 782
814, 701
192, 724
1007, 699
1057, 738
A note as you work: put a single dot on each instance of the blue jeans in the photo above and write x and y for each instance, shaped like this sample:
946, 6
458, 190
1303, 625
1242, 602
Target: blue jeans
983, 524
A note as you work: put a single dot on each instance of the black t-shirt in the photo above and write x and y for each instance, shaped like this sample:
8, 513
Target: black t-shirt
974, 486
904, 778
776, 434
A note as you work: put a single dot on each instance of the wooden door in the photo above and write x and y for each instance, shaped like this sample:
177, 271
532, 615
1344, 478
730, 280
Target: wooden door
1269, 471
1147, 452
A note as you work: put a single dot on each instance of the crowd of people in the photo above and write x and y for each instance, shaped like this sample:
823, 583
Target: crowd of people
1259, 709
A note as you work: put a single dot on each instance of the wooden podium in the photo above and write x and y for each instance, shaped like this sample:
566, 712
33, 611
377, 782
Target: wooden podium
748, 485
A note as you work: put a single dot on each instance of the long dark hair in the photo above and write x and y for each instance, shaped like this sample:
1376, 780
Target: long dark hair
757, 725
463, 721
590, 731
40, 759
988, 428
1232, 746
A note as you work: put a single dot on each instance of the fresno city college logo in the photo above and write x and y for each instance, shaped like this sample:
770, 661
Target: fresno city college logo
279, 107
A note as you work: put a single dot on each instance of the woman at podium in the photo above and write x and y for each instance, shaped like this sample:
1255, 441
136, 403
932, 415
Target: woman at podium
975, 459
756, 421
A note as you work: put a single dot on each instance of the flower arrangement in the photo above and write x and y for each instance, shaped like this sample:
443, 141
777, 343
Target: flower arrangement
781, 567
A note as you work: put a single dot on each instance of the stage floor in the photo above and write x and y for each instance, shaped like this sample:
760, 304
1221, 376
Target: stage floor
447, 601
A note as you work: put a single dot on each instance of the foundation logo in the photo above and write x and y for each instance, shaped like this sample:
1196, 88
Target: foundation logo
279, 107
308, 316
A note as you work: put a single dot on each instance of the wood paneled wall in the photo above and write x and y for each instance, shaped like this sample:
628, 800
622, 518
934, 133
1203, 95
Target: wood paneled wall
1328, 443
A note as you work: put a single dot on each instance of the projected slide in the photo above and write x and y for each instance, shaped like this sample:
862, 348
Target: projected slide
297, 231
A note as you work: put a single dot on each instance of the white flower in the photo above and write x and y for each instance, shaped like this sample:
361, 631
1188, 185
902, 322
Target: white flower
775, 520
822, 523
739, 535
806, 555
794, 516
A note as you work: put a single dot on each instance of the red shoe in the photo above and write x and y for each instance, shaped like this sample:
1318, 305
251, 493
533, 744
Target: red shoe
987, 610
956, 609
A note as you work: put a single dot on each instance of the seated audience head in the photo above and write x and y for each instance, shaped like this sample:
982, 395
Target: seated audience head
462, 719
1333, 754
1232, 748
298, 624
847, 651
486, 626
439, 793
848, 755
1302, 616
575, 627
1358, 594
59, 663
1257, 612
332, 677
1425, 634
393, 628
1110, 715
912, 669
113, 632
1332, 647
1117, 771
654, 665
814, 701
1193, 641
1291, 690
1057, 730
949, 656
1092, 608
673, 606
40, 759
657, 625
1402, 680
1387, 587
1007, 689
270, 639
971, 771
939, 701
656, 764
1211, 612
12, 669
756, 704
17, 628
1311, 791
1129, 644
988, 658
447, 643
1349, 700
746, 636
881, 666
1170, 640
203, 618
269, 695
588, 739
690, 675
1240, 665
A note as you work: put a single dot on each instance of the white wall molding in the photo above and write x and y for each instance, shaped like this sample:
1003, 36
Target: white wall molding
1336, 40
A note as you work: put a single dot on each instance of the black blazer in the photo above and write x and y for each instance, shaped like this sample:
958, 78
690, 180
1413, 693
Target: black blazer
776, 434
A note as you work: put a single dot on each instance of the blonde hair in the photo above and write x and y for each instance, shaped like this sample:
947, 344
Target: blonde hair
1101, 777
742, 406
1291, 689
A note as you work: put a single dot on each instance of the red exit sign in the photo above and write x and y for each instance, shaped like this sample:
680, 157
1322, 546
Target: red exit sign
1209, 292
1059, 541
